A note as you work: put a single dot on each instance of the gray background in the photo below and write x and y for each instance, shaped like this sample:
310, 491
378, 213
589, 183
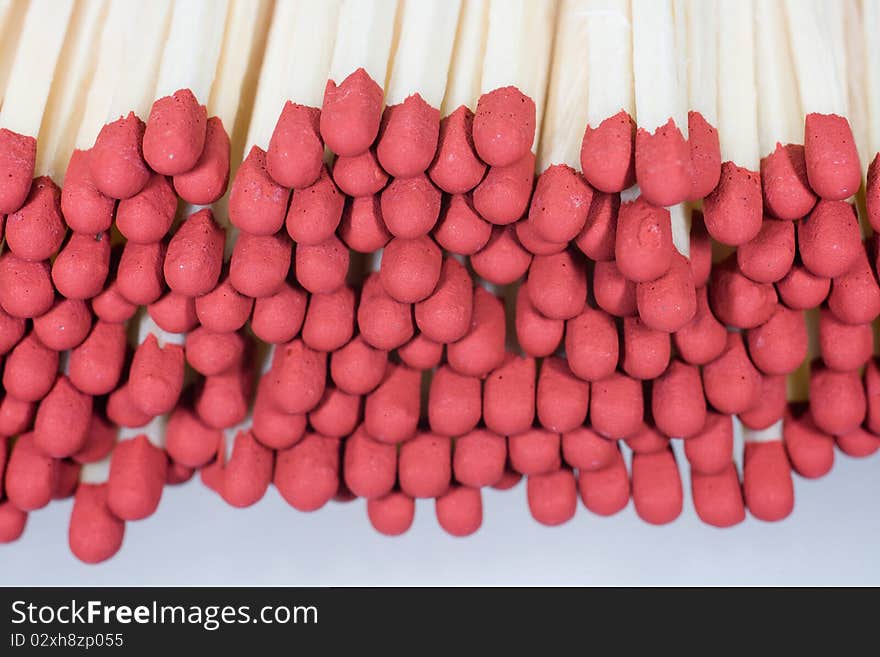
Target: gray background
832, 538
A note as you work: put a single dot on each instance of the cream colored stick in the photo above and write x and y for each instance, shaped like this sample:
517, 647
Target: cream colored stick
659, 94
310, 51
609, 60
770, 434
12, 13
140, 48
586, 93
296, 63
232, 94
128, 56
363, 39
465, 70
737, 88
108, 68
780, 119
821, 89
702, 60
421, 61
855, 47
33, 68
567, 94
519, 44
189, 58
66, 104
831, 15
870, 21
97, 472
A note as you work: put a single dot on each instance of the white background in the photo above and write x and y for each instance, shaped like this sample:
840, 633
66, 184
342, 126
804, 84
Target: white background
833, 537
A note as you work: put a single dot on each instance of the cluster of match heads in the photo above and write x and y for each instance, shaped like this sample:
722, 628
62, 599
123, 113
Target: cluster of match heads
513, 325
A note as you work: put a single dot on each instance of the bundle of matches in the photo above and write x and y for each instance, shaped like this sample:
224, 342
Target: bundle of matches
464, 242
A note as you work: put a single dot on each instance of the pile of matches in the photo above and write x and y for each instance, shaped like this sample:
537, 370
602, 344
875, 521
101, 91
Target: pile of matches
465, 241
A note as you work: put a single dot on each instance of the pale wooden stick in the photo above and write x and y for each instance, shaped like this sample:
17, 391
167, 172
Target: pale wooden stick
580, 93
659, 94
189, 59
232, 93
154, 431
234, 88
519, 44
609, 60
870, 21
768, 435
295, 64
702, 76
567, 95
143, 40
97, 472
856, 54
12, 13
66, 104
831, 15
363, 39
34, 65
680, 214
820, 87
420, 63
465, 71
108, 58
780, 119
310, 52
737, 89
